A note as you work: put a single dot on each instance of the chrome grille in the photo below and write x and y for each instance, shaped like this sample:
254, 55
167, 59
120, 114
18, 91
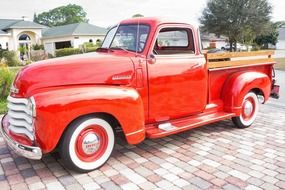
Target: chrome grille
20, 117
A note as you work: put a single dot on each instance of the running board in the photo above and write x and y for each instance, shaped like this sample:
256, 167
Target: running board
176, 126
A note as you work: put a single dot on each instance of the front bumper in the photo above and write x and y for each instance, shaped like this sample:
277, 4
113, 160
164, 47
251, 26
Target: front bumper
275, 91
31, 152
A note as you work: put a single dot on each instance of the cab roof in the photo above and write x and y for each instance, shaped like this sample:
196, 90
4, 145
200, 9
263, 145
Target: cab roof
152, 21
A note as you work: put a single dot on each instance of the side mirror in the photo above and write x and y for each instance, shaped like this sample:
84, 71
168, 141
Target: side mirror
151, 59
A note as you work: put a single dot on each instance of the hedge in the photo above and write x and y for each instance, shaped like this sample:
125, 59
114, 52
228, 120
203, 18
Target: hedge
67, 51
91, 49
73, 51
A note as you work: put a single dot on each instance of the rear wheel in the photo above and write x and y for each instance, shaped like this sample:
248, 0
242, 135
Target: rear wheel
87, 144
250, 107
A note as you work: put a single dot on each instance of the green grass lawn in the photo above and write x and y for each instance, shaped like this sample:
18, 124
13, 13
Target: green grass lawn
3, 106
3, 102
280, 64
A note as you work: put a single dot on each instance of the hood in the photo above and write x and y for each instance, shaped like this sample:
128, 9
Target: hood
85, 69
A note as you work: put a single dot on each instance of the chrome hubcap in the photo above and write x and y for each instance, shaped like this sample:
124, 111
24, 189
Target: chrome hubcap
248, 108
90, 143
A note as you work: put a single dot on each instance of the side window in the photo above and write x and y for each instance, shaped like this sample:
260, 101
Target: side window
174, 41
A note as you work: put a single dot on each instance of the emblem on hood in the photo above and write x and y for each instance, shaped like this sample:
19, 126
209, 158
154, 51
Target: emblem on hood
122, 77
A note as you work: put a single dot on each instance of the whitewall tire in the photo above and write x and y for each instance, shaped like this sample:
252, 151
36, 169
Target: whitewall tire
87, 144
250, 107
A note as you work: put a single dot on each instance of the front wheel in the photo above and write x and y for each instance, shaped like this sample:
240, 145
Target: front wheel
87, 144
250, 107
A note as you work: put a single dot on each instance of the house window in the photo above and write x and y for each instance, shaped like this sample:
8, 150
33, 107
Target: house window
24, 37
61, 45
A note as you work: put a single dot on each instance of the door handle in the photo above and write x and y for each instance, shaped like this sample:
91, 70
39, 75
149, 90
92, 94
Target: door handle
196, 65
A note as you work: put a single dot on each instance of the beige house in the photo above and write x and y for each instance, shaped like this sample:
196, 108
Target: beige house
19, 33
71, 35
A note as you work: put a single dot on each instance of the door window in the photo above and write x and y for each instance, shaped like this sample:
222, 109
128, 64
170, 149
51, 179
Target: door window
174, 41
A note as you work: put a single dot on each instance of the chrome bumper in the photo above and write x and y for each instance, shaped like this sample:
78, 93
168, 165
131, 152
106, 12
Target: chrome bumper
30, 152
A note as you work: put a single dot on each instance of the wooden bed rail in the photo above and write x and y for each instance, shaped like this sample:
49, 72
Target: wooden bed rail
219, 60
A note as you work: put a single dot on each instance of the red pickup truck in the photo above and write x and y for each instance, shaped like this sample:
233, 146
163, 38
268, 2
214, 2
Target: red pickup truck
149, 79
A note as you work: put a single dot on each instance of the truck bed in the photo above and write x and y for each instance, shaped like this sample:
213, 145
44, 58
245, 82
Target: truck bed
222, 65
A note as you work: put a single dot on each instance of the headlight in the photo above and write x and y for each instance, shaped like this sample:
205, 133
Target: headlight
32, 106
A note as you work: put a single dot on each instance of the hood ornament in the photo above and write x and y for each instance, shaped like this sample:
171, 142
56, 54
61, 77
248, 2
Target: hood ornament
14, 90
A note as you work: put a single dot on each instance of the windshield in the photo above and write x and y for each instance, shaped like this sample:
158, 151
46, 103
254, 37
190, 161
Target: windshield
131, 37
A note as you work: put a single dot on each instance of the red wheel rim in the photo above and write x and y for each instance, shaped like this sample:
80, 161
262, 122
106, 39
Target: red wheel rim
248, 108
91, 143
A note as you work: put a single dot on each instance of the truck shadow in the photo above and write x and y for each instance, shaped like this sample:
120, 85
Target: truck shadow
182, 146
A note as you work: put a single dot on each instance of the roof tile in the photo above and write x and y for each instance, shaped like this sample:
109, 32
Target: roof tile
73, 30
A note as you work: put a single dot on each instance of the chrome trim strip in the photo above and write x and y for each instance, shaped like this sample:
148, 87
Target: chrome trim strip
34, 113
18, 100
139, 131
15, 107
21, 130
20, 123
30, 152
20, 116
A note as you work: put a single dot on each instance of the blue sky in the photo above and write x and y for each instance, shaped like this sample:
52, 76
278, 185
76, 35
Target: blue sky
109, 12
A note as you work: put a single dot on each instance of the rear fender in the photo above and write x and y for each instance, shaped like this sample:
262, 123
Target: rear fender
58, 107
239, 84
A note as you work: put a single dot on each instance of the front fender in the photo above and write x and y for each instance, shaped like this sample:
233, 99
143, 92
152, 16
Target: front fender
239, 84
58, 107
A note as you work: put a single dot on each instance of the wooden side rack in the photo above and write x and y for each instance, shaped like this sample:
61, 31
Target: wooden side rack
220, 60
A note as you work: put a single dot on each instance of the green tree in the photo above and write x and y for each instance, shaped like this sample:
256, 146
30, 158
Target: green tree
271, 37
137, 15
62, 15
239, 20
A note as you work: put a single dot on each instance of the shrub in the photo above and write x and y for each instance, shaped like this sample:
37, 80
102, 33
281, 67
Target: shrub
1, 53
91, 49
88, 44
67, 51
11, 58
6, 79
99, 43
50, 56
23, 50
38, 47
3, 106
255, 47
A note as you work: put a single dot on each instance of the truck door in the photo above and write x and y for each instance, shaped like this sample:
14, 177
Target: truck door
177, 75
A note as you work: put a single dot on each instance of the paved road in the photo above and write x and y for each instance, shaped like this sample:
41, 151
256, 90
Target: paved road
216, 156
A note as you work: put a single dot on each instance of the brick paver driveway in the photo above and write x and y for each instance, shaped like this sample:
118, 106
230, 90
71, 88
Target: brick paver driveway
216, 156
